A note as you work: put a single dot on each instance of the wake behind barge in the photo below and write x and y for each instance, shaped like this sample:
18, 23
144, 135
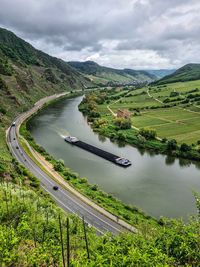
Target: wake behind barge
99, 152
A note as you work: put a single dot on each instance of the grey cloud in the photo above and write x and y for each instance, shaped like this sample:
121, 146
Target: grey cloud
80, 29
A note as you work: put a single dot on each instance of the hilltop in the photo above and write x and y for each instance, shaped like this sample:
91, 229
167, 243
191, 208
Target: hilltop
104, 75
189, 72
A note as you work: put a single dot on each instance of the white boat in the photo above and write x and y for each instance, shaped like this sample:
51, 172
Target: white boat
71, 139
123, 161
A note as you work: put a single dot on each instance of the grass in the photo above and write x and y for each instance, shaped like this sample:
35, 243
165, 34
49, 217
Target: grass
180, 121
31, 226
174, 123
135, 102
4, 154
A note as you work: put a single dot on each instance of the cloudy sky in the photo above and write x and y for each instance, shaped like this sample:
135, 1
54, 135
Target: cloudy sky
140, 34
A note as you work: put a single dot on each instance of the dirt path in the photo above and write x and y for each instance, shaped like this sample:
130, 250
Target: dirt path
156, 99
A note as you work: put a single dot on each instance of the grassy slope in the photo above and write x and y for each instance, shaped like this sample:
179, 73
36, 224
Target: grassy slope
26, 75
181, 122
188, 72
30, 236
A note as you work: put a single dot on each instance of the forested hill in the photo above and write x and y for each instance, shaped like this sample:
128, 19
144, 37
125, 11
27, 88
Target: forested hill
101, 74
26, 74
188, 72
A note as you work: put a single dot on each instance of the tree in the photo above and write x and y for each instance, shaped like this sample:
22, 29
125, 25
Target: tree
185, 148
121, 136
171, 145
58, 166
148, 133
122, 124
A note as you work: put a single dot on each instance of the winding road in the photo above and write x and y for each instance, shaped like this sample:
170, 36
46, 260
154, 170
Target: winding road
66, 199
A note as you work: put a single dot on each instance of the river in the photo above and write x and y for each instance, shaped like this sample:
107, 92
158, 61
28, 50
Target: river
157, 184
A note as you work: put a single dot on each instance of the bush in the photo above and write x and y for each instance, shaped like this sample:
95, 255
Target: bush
172, 145
94, 187
122, 124
58, 166
148, 133
121, 137
173, 94
3, 110
185, 148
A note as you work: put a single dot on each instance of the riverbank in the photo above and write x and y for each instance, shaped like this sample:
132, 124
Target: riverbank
121, 130
119, 210
179, 235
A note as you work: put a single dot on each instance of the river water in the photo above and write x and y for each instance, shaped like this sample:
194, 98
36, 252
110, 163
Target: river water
159, 185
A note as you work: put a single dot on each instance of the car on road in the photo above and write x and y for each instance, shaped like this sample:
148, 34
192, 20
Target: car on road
14, 123
17, 147
55, 187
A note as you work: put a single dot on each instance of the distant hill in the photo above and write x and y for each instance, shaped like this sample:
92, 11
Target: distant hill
161, 73
27, 74
103, 75
188, 72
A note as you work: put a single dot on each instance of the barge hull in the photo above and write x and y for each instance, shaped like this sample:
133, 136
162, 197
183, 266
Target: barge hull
97, 151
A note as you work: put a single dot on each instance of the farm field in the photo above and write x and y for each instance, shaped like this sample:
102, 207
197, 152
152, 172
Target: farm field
171, 118
173, 123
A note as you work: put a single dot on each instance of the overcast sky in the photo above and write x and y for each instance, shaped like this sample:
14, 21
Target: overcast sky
140, 34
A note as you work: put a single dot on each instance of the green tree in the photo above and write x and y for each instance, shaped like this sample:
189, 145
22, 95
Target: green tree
148, 133
58, 166
185, 148
122, 123
171, 145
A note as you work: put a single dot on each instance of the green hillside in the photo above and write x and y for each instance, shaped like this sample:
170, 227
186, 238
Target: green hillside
189, 72
104, 75
30, 232
26, 75
30, 229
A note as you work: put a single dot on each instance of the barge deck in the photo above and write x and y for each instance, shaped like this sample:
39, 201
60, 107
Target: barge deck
99, 152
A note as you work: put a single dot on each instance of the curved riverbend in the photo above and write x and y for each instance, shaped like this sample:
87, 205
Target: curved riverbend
159, 185
66, 197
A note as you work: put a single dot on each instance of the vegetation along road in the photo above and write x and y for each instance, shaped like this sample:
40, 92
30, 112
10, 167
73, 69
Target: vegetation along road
70, 200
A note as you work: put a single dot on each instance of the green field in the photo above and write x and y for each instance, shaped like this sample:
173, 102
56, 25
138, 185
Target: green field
180, 121
176, 123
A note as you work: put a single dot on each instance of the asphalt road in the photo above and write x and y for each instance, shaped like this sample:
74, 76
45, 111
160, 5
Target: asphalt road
64, 198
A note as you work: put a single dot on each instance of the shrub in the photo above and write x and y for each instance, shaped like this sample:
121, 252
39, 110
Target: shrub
148, 133
122, 124
172, 145
58, 166
185, 148
172, 94
94, 187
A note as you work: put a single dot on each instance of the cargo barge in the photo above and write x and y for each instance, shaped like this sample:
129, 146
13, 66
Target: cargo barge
99, 152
